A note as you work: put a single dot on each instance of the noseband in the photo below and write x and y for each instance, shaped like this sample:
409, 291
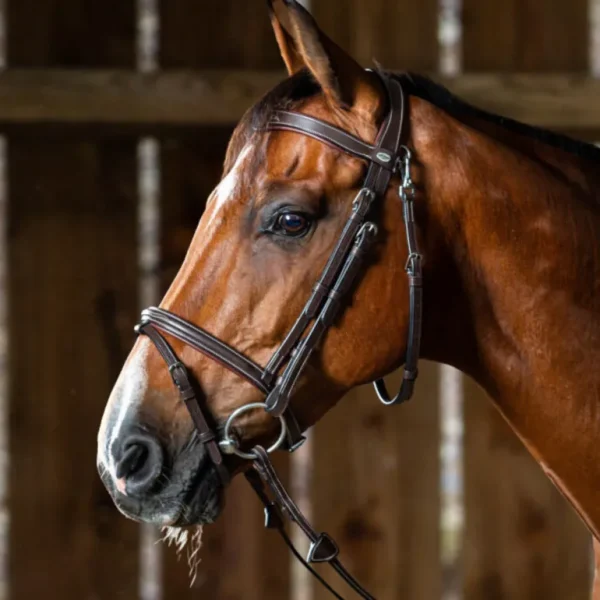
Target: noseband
277, 380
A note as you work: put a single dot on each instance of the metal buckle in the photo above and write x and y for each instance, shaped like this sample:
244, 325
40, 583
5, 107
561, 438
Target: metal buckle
369, 229
407, 187
179, 366
367, 193
413, 257
176, 365
230, 445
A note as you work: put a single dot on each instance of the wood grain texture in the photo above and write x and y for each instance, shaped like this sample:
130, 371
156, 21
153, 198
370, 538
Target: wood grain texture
71, 33
177, 101
225, 34
72, 298
376, 490
240, 560
522, 539
72, 262
397, 35
531, 35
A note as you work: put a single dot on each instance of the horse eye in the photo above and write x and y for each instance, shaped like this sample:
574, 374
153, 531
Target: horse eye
292, 224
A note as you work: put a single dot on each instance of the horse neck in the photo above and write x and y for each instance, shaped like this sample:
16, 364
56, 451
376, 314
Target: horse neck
514, 287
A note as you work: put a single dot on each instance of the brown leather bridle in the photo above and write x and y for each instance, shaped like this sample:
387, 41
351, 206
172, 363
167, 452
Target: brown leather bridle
278, 379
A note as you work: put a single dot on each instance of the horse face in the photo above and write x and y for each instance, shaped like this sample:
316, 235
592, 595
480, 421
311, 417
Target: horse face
267, 231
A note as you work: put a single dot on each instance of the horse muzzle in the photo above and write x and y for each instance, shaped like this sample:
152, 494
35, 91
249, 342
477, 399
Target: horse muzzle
147, 485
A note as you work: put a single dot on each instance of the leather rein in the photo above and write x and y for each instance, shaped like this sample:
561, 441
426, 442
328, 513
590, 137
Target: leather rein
278, 379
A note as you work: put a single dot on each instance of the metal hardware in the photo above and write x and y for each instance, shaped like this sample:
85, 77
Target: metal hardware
177, 365
363, 193
413, 258
230, 445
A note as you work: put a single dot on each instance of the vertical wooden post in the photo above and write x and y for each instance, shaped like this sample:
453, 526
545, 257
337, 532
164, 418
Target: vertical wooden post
376, 470
376, 490
522, 539
240, 560
72, 288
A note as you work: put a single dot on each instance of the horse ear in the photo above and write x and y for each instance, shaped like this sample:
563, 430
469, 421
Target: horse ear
287, 47
303, 44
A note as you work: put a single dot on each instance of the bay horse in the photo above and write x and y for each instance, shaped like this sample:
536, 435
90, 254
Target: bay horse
505, 217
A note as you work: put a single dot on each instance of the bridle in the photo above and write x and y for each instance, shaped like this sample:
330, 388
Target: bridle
278, 379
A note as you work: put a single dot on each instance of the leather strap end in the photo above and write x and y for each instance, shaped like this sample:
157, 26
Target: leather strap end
273, 519
294, 439
207, 436
323, 550
274, 401
187, 394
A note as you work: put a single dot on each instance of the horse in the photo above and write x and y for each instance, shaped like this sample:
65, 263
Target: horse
495, 222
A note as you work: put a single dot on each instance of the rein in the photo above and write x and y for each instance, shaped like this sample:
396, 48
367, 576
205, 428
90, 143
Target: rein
278, 379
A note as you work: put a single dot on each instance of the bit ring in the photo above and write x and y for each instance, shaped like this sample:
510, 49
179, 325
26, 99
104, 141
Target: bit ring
230, 445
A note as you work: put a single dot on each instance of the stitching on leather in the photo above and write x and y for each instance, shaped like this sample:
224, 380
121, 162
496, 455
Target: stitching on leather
318, 122
322, 137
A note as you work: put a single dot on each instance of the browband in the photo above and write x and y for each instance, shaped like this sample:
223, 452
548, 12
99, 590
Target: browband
329, 134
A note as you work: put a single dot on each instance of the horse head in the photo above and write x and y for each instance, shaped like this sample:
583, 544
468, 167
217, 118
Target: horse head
268, 232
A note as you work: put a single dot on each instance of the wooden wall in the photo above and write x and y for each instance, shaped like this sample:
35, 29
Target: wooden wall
72, 293
72, 300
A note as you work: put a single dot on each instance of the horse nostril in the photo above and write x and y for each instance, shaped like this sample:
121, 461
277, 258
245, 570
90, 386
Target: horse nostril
133, 460
140, 464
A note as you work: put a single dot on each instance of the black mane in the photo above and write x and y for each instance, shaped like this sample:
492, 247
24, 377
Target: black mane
437, 94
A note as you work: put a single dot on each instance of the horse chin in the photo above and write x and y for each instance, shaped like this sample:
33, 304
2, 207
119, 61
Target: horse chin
199, 502
203, 504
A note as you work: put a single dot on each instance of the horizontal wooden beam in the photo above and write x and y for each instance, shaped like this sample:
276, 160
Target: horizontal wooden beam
567, 102
128, 99
128, 102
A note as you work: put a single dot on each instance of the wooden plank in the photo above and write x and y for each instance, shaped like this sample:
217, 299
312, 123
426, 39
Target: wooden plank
398, 35
240, 560
72, 296
376, 489
71, 285
522, 539
177, 99
225, 34
71, 33
539, 35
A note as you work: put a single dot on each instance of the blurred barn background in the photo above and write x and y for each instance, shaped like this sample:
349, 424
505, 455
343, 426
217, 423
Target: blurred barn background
115, 116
